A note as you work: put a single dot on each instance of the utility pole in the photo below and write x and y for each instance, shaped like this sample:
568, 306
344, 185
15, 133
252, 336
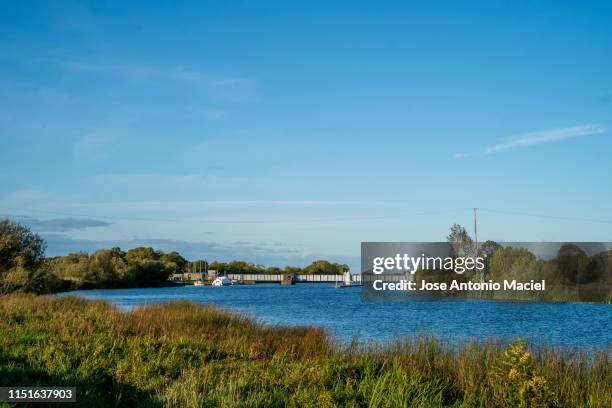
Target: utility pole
476, 250
476, 231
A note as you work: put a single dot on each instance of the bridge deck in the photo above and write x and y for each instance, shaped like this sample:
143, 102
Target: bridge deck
296, 278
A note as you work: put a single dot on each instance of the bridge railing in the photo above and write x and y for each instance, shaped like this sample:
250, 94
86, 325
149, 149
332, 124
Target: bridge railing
258, 277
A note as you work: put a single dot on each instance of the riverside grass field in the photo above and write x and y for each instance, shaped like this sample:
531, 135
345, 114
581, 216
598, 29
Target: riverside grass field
181, 354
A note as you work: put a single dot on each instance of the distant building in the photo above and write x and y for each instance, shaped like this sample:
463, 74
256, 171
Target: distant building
195, 276
188, 276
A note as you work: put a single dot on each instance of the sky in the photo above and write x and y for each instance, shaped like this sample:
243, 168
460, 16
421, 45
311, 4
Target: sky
283, 132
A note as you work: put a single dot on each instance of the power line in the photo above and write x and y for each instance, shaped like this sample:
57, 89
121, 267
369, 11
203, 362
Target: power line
553, 217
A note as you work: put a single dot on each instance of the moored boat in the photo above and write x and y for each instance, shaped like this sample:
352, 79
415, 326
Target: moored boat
222, 281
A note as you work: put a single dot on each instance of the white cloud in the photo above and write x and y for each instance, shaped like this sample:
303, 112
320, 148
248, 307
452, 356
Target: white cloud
546, 136
540, 137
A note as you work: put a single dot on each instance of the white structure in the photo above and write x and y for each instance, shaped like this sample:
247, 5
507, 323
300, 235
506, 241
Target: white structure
347, 279
222, 281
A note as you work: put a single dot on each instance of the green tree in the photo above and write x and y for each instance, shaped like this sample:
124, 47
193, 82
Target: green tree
74, 266
511, 263
597, 269
292, 270
174, 261
460, 241
323, 267
243, 267
22, 266
487, 248
20, 247
220, 267
107, 267
149, 273
147, 267
136, 256
571, 261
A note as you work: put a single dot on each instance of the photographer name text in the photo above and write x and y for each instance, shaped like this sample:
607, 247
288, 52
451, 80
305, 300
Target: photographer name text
509, 285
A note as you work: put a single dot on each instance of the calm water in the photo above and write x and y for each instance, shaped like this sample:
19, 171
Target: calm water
342, 313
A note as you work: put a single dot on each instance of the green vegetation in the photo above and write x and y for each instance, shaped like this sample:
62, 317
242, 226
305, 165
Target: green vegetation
571, 276
321, 267
109, 268
22, 261
24, 268
186, 355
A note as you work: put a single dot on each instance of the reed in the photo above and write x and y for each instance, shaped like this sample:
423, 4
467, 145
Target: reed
187, 355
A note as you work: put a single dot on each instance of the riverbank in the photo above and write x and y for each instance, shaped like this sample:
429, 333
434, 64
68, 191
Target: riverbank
344, 315
183, 354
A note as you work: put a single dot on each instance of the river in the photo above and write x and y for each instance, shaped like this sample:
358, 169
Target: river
342, 313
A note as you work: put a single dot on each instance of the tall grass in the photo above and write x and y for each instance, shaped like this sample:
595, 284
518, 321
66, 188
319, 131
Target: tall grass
186, 355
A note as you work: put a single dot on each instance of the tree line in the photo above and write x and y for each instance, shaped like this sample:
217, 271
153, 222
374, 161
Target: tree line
24, 266
570, 275
142, 266
319, 267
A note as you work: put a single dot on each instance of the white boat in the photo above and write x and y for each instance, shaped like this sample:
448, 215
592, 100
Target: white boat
347, 281
222, 281
199, 282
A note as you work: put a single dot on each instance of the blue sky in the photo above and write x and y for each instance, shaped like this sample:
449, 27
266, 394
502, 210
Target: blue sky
279, 133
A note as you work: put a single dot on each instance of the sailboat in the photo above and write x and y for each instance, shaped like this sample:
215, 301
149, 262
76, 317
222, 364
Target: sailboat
347, 281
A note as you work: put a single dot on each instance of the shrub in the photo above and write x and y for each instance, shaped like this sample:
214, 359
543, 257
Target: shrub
515, 381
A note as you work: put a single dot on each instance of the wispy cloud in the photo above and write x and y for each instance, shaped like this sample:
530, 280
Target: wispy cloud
232, 88
59, 224
182, 206
540, 137
188, 181
135, 71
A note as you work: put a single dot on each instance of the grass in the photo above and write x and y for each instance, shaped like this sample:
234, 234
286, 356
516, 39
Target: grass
186, 355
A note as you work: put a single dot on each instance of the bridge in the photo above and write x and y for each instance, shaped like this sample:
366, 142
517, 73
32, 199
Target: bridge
347, 278
269, 278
